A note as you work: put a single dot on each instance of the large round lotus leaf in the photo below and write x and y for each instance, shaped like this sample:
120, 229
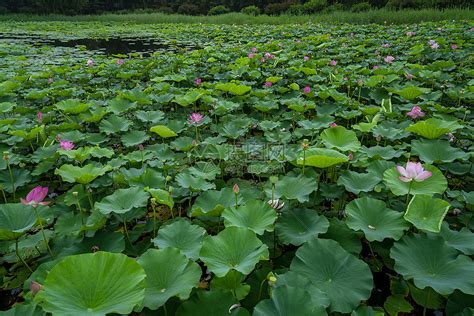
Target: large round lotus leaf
429, 261
114, 124
457, 302
296, 226
411, 92
426, 297
134, 138
345, 279
123, 201
427, 213
72, 106
216, 302
168, 273
379, 152
293, 187
291, 278
288, 300
188, 181
233, 248
432, 128
396, 304
232, 281
322, 158
82, 175
212, 203
358, 182
15, 220
163, 131
341, 138
93, 284
255, 215
367, 311
346, 237
181, 234
437, 151
233, 88
374, 218
462, 240
435, 184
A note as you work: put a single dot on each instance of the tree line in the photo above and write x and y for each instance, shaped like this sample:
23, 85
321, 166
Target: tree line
202, 7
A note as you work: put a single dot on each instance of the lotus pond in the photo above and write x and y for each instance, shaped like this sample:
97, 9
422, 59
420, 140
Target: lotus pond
236, 170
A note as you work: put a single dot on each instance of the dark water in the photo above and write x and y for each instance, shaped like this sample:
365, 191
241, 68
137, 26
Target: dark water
109, 46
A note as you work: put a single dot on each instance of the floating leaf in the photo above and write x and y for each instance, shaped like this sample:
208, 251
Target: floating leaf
256, 215
341, 138
15, 220
163, 131
322, 158
72, 106
358, 182
82, 175
296, 226
435, 184
437, 151
123, 201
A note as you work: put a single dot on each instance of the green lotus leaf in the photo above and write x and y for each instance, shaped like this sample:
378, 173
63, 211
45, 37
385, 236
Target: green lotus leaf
345, 279
93, 284
188, 98
123, 201
134, 138
411, 92
72, 106
232, 281
435, 184
322, 158
462, 240
293, 279
119, 105
429, 261
80, 154
297, 187
374, 218
396, 304
297, 226
346, 237
255, 215
6, 107
367, 311
432, 128
457, 302
163, 131
234, 248
426, 212
24, 309
233, 88
426, 297
212, 203
188, 181
216, 302
114, 124
437, 151
20, 178
168, 273
288, 300
15, 220
83, 175
358, 182
104, 240
341, 138
162, 197
182, 235
205, 169
183, 143
379, 152
136, 95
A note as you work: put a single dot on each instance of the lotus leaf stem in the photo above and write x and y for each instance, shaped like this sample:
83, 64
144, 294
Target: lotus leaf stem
42, 232
19, 257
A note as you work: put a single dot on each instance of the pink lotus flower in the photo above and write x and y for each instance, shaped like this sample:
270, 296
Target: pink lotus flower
454, 46
332, 124
389, 59
236, 188
269, 56
375, 67
413, 171
50, 80
416, 112
306, 58
251, 55
198, 81
262, 60
67, 145
90, 62
333, 63
409, 76
36, 197
120, 61
345, 78
254, 49
195, 118
410, 33
350, 156
307, 89
386, 45
40, 117
268, 84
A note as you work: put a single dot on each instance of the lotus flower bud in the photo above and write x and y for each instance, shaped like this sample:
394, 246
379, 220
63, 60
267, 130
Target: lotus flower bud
5, 155
35, 287
153, 201
236, 188
168, 178
273, 179
75, 193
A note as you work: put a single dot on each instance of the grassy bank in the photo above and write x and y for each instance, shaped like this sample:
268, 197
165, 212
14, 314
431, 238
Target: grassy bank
373, 16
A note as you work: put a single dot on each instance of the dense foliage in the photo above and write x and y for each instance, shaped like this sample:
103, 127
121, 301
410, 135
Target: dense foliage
209, 6
264, 170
